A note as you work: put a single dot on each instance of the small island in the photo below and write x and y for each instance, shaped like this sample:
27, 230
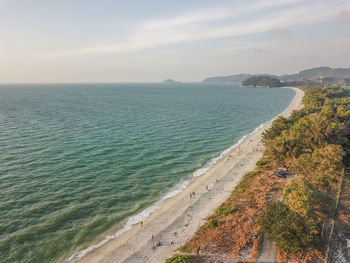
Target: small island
171, 81
262, 82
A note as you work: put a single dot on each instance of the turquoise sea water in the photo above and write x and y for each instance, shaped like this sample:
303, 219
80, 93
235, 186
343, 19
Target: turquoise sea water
77, 160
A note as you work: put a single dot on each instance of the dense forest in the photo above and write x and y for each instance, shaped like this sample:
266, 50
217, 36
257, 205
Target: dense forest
262, 81
313, 145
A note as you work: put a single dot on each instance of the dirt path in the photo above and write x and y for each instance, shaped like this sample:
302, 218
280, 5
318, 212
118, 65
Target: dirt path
268, 252
339, 251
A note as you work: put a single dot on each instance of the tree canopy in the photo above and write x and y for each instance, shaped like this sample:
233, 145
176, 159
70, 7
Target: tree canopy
262, 81
292, 233
303, 198
315, 143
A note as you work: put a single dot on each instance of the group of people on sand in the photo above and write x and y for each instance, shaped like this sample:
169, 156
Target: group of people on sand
158, 243
239, 153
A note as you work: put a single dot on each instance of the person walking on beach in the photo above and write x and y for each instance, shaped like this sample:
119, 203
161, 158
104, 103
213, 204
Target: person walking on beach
141, 223
198, 249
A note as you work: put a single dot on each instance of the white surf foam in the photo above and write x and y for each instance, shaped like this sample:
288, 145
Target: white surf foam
133, 220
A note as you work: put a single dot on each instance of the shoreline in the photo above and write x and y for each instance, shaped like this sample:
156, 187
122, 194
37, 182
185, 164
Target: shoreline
178, 213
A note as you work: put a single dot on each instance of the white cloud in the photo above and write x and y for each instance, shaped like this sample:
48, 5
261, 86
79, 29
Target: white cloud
213, 14
207, 24
186, 19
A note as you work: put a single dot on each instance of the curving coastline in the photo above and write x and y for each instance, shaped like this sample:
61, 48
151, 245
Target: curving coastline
176, 212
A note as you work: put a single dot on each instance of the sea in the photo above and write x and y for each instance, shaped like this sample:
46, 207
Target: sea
82, 163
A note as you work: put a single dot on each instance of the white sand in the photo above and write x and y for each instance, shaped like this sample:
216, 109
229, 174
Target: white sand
179, 214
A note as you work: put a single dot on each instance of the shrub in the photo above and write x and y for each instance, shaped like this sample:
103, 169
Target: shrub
213, 223
224, 209
261, 164
293, 233
179, 259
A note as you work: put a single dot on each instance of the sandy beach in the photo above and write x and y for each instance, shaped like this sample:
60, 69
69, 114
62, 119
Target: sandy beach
179, 217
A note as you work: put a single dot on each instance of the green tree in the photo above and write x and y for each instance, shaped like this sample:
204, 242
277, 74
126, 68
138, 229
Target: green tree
314, 131
262, 81
282, 148
324, 167
293, 233
278, 125
302, 137
303, 198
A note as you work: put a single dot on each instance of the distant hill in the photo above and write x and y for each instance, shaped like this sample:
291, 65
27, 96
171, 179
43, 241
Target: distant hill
330, 81
171, 81
234, 78
304, 82
262, 81
225, 79
312, 73
308, 76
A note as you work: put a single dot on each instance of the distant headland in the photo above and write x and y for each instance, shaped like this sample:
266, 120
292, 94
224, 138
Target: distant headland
171, 81
262, 82
313, 77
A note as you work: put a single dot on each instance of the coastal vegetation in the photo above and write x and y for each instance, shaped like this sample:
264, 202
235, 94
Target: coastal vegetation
313, 146
262, 81
314, 143
273, 82
179, 259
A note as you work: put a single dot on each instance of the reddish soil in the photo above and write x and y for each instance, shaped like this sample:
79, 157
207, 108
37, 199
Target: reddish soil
238, 229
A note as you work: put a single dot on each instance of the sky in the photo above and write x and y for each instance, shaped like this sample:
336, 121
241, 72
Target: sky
151, 40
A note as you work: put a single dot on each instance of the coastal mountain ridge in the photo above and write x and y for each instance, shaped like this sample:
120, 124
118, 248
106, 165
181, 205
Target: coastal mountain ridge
232, 78
309, 74
317, 75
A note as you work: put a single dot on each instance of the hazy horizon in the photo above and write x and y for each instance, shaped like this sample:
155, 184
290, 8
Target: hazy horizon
150, 82
112, 41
